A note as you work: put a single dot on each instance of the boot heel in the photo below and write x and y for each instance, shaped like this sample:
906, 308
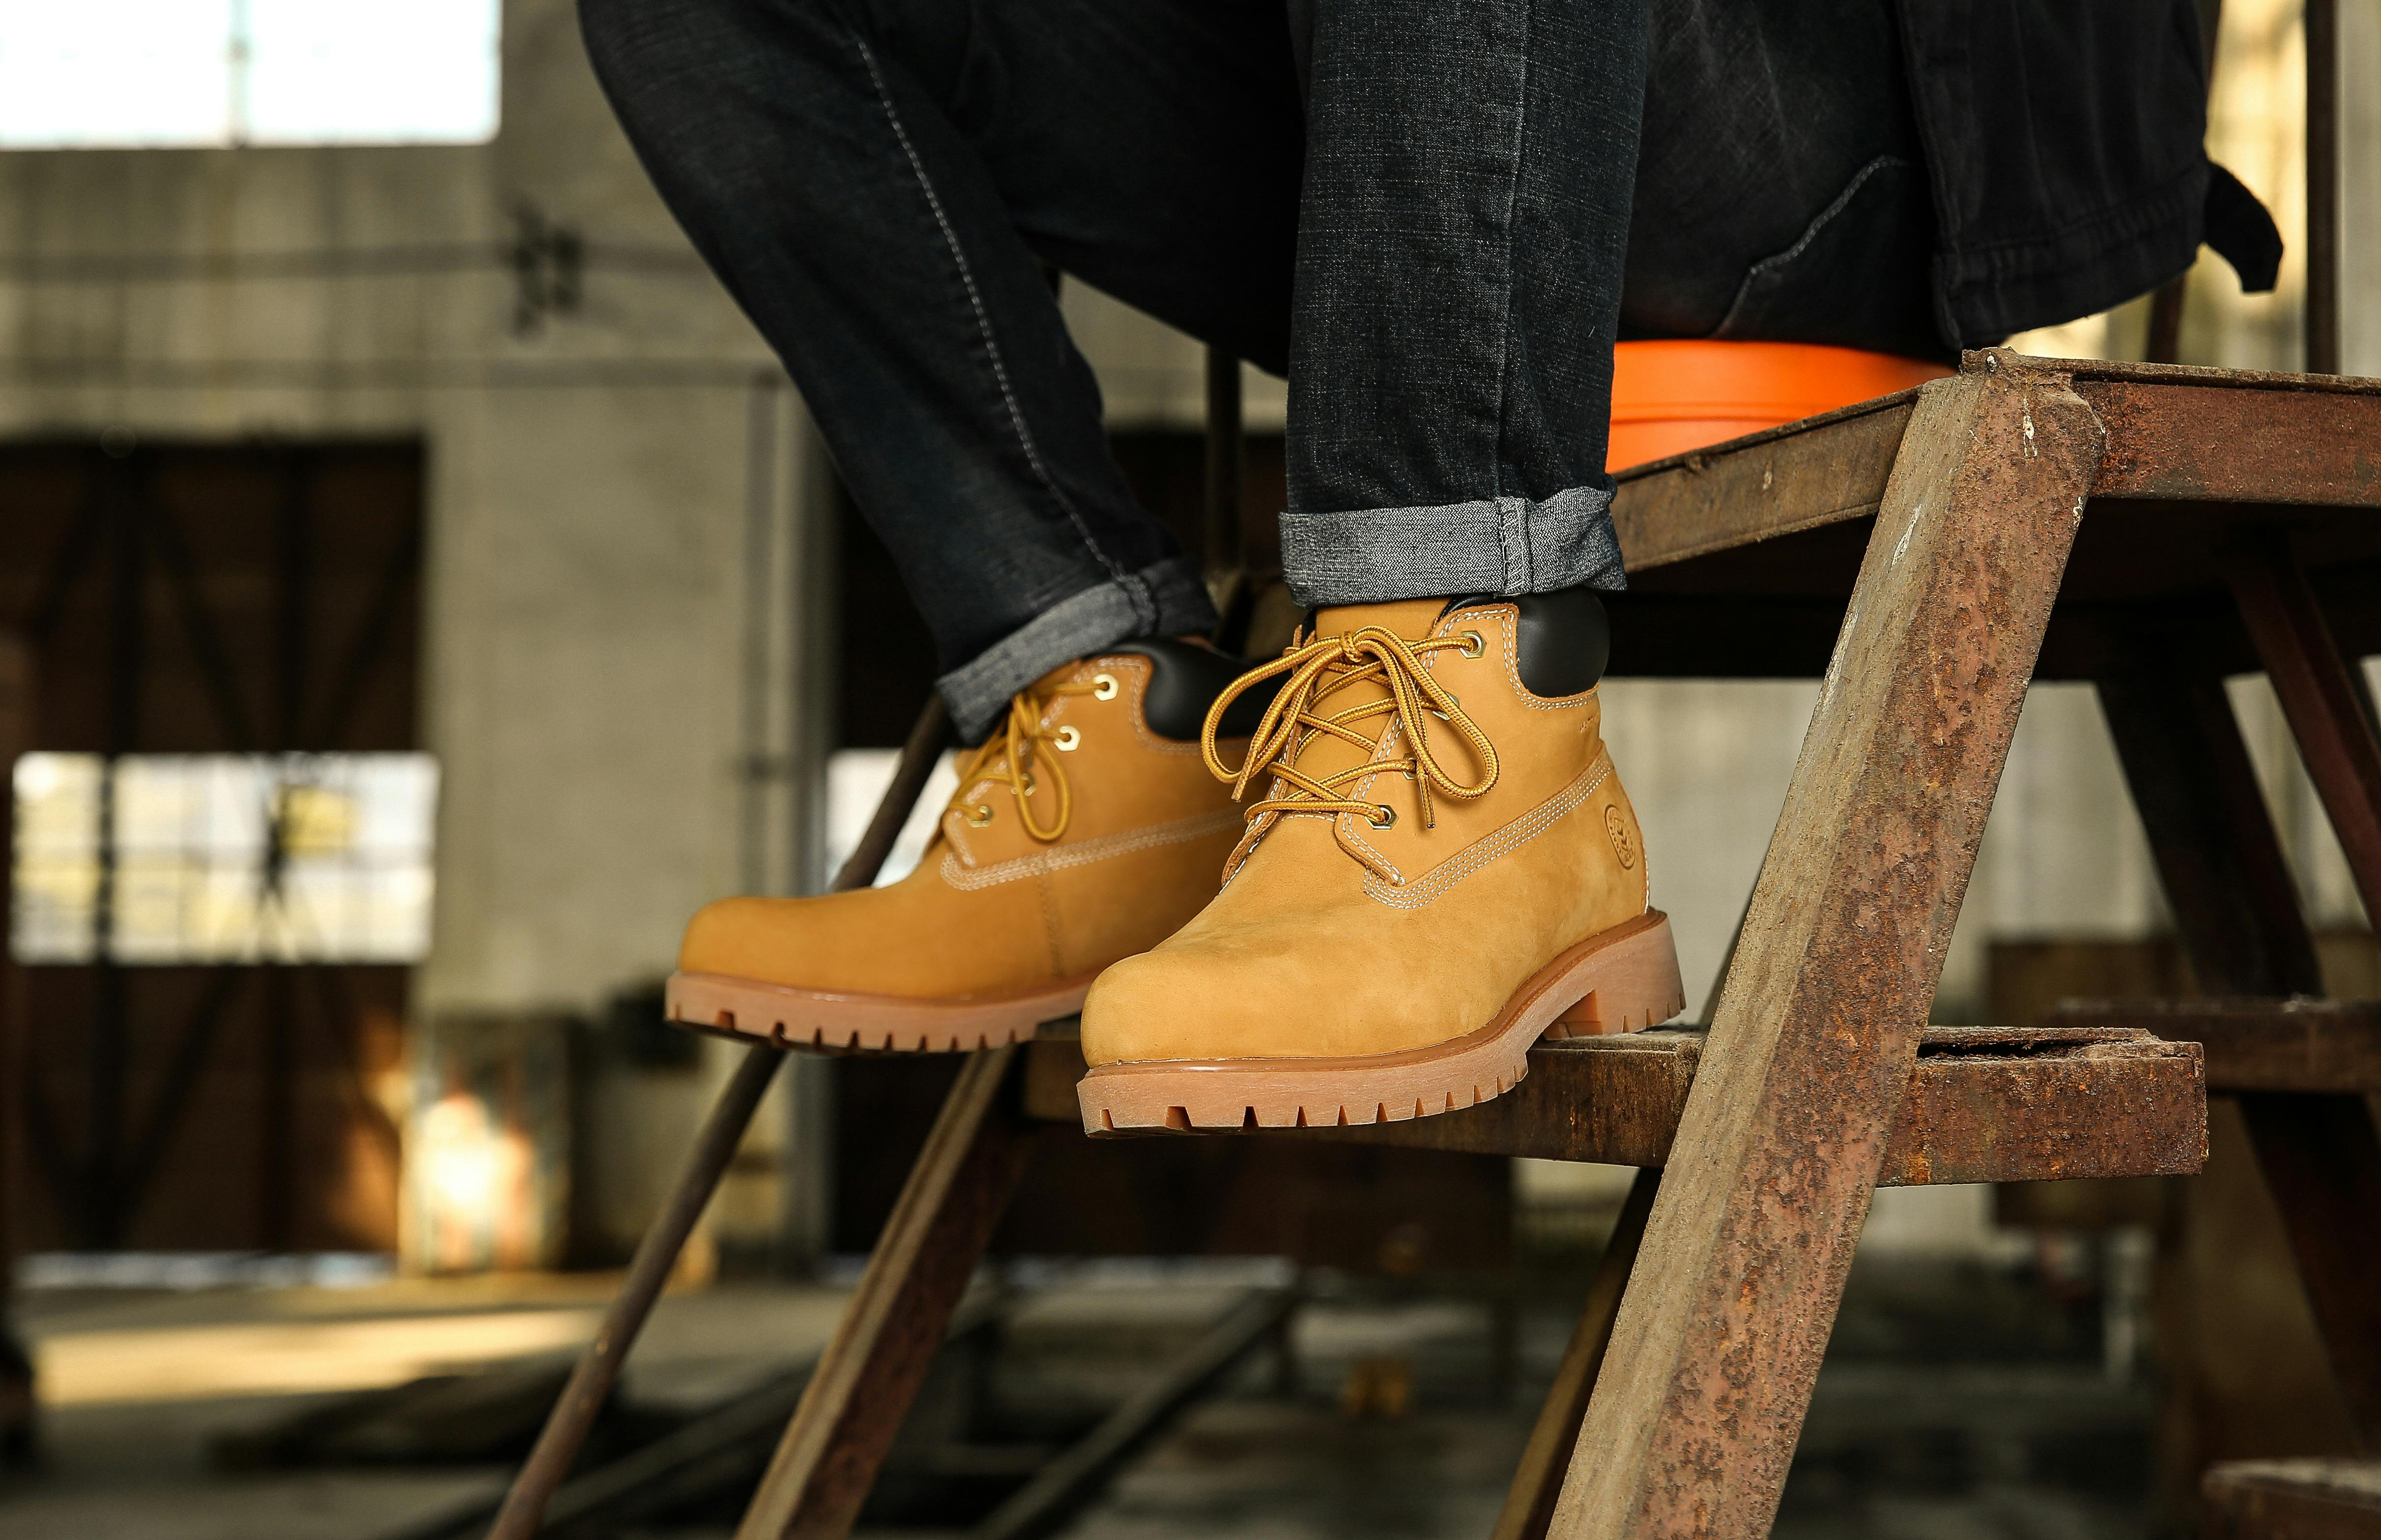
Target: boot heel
1630, 985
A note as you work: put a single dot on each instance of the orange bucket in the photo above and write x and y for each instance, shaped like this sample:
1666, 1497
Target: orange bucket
1670, 396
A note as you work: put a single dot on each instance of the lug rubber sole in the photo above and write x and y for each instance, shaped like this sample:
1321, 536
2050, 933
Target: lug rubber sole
827, 1022
1625, 979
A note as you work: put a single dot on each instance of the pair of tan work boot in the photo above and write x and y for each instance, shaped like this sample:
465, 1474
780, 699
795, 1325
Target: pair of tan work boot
1434, 867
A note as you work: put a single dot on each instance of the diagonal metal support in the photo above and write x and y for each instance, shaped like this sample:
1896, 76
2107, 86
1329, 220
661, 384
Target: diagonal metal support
2321, 1154
1529, 1503
1701, 1398
599, 1367
2324, 701
853, 1406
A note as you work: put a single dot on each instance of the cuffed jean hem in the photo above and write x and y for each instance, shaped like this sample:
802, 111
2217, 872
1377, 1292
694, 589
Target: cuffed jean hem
1164, 599
1493, 545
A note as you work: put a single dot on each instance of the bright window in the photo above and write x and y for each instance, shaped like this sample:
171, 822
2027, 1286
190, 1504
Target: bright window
224, 858
93, 73
856, 779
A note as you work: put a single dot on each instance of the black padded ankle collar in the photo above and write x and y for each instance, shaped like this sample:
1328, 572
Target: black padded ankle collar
1564, 638
1184, 680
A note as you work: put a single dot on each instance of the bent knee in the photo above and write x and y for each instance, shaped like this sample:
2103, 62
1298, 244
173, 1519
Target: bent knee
639, 43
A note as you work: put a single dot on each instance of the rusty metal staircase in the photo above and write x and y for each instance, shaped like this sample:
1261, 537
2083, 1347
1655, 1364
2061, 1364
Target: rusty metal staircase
2147, 528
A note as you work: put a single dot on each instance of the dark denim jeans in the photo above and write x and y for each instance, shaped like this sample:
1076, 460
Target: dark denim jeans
1421, 209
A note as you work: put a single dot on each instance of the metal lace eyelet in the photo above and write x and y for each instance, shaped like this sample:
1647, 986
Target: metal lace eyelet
1104, 686
980, 815
1474, 644
1068, 740
1388, 815
1028, 786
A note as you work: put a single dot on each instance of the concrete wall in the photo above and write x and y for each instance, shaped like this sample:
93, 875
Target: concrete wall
588, 482
589, 497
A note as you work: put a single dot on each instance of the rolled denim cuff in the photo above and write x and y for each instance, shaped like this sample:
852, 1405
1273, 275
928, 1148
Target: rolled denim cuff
1165, 599
1493, 546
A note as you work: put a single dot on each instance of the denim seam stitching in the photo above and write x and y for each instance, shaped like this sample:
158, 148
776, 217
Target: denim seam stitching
1512, 221
1141, 671
1142, 601
1522, 692
1777, 260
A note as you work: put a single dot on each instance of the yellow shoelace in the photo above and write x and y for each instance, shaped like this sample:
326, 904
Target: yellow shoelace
1322, 667
1008, 758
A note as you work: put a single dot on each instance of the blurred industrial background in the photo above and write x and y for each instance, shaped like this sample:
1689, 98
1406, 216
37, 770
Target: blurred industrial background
420, 590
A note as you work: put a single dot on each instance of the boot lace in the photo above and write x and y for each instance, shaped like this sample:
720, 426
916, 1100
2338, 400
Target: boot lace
1325, 667
1009, 756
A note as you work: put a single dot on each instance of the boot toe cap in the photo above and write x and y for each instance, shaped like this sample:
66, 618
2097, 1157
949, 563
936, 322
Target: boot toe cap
1200, 1003
1146, 1008
739, 938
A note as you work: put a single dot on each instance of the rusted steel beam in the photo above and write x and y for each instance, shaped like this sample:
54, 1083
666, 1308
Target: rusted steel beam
1824, 469
2323, 186
1790, 1119
1530, 1502
2321, 1156
2239, 918
2293, 1499
1986, 1103
2226, 880
2174, 432
2165, 343
2199, 439
2324, 701
2086, 371
599, 1367
957, 1191
2330, 1046
2010, 1112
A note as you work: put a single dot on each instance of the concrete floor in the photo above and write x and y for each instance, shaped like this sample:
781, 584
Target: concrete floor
136, 1385
1916, 1431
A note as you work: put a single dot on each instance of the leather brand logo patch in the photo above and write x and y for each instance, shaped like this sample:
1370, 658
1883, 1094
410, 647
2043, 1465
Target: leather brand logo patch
1623, 845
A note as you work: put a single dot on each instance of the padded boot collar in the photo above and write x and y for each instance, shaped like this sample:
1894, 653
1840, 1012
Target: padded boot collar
1565, 637
1184, 680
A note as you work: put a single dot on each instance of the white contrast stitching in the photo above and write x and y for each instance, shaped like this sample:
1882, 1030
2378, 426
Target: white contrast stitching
1142, 672
1513, 664
1504, 340
1066, 857
1130, 583
1511, 838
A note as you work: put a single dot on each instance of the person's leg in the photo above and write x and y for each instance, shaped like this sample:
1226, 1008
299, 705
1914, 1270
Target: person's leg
1469, 164
878, 181
1483, 217
874, 183
1444, 866
1440, 863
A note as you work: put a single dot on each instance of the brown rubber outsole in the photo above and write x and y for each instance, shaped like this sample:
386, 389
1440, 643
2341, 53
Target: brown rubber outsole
829, 1022
1625, 979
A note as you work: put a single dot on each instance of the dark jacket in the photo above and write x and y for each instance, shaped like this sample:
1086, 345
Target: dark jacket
2064, 146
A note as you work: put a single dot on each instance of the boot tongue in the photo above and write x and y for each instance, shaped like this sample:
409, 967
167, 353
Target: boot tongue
1411, 618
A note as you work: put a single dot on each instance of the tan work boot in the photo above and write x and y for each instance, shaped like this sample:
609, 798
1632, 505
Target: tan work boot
1442, 868
1085, 829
